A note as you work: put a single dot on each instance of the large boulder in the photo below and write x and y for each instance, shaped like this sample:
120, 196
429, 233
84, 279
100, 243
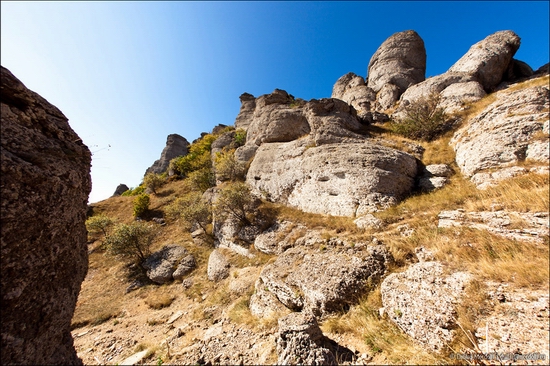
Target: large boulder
400, 60
505, 132
353, 90
422, 301
176, 145
489, 58
300, 341
218, 266
323, 281
169, 263
45, 183
346, 179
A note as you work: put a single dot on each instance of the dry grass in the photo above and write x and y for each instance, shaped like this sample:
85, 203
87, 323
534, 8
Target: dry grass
159, 299
389, 344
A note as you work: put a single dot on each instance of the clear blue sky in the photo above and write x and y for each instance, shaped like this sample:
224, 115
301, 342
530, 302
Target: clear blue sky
127, 74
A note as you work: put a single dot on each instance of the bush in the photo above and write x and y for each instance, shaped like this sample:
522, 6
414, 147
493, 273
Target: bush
193, 209
130, 241
202, 179
198, 157
134, 191
236, 201
423, 119
154, 181
229, 168
99, 223
141, 204
240, 137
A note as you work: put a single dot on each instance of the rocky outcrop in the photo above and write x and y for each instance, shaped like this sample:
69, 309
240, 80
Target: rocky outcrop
434, 176
353, 90
248, 105
120, 189
317, 179
299, 341
323, 281
169, 263
400, 61
176, 145
218, 266
534, 225
489, 58
422, 301
505, 132
45, 183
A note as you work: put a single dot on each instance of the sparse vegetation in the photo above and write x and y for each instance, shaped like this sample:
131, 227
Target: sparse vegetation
99, 223
229, 168
424, 119
131, 241
234, 201
154, 181
141, 204
192, 209
134, 191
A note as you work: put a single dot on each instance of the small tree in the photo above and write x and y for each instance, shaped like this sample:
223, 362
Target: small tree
423, 119
236, 201
193, 209
141, 204
154, 181
227, 167
130, 241
99, 223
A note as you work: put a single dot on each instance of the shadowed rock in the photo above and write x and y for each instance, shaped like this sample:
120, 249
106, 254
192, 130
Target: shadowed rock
176, 145
45, 183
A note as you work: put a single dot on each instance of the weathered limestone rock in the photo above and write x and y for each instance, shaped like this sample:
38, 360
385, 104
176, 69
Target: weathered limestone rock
299, 341
501, 134
120, 189
368, 221
518, 70
489, 58
434, 177
162, 264
319, 180
176, 145
279, 237
186, 266
400, 61
248, 104
323, 282
352, 89
387, 96
218, 266
529, 226
422, 302
456, 96
263, 303
45, 183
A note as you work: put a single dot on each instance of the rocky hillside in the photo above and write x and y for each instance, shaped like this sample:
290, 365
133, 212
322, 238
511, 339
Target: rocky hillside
401, 220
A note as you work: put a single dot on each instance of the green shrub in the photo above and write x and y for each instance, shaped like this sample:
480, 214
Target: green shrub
229, 168
202, 179
154, 181
240, 137
134, 191
99, 223
131, 241
193, 209
423, 119
141, 204
197, 158
235, 200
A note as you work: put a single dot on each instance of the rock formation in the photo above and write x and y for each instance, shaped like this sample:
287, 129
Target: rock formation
120, 189
422, 302
170, 263
45, 183
489, 58
399, 61
176, 145
353, 90
504, 133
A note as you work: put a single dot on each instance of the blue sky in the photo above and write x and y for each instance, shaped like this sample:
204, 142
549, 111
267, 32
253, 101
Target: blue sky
127, 74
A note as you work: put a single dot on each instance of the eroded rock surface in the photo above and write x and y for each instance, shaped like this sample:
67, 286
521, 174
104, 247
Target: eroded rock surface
502, 134
317, 179
218, 266
400, 61
325, 281
489, 58
45, 183
176, 145
169, 263
422, 301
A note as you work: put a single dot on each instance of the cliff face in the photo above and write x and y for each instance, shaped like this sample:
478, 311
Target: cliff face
45, 185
